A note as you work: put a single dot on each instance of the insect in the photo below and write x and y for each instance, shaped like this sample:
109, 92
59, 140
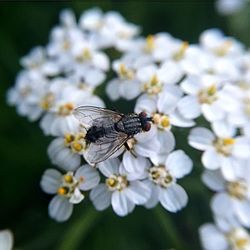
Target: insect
108, 130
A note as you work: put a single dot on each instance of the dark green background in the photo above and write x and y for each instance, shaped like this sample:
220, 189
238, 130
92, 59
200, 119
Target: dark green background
23, 206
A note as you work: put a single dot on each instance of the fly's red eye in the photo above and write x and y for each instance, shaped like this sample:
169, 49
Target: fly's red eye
147, 126
143, 114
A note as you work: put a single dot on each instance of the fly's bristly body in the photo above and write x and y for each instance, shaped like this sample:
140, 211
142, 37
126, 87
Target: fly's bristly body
108, 130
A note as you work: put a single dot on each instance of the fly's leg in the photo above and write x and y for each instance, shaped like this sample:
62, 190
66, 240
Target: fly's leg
130, 149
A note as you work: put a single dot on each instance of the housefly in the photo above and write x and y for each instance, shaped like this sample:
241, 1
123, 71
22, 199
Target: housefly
107, 130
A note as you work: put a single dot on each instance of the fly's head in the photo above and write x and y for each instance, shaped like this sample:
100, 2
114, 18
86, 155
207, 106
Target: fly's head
145, 121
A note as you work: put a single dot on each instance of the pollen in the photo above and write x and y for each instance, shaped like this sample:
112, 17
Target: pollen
161, 120
150, 44
228, 141
62, 191
68, 178
160, 176
153, 86
223, 49
224, 146
47, 101
237, 189
68, 138
179, 54
208, 95
66, 109
85, 55
77, 146
116, 182
165, 122
125, 73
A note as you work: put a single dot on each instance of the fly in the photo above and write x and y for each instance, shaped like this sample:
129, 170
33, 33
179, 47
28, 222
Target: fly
108, 130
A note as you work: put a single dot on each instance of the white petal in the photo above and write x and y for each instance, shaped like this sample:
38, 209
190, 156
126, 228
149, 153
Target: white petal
201, 138
109, 167
130, 89
221, 204
229, 168
191, 85
173, 198
60, 209
242, 208
88, 176
168, 99
154, 198
77, 197
179, 164
51, 181
100, 196
213, 179
178, 120
137, 192
212, 238
212, 112
210, 159
145, 103
112, 89
6, 240
135, 165
241, 148
189, 107
121, 204
223, 129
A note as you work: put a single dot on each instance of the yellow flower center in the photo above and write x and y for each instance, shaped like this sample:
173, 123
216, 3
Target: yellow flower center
153, 86
68, 185
125, 73
223, 49
162, 121
160, 176
65, 109
239, 239
68, 138
47, 101
117, 182
86, 55
237, 189
180, 53
208, 95
150, 44
247, 106
224, 145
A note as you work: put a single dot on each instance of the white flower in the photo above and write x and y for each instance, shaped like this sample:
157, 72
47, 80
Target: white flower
66, 151
233, 197
6, 240
60, 119
203, 98
223, 151
230, 237
119, 190
67, 189
27, 93
162, 181
229, 7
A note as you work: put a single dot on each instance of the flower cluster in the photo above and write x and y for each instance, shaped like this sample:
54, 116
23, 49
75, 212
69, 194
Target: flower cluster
176, 83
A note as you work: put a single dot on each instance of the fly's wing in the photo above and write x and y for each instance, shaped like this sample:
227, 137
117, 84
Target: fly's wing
104, 147
90, 115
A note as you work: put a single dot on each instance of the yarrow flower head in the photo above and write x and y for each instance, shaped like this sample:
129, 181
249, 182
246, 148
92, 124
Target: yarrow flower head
201, 90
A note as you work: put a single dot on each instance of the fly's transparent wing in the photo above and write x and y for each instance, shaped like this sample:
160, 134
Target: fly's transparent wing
90, 115
104, 147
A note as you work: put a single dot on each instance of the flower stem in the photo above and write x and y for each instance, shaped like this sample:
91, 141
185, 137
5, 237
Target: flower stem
78, 230
169, 228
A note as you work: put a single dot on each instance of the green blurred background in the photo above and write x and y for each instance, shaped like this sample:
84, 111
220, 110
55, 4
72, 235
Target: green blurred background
23, 206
